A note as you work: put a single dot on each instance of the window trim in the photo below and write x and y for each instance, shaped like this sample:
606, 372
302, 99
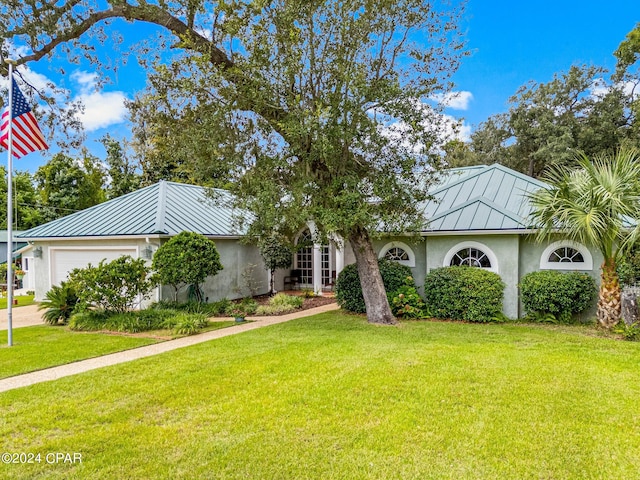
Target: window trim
587, 265
478, 246
412, 257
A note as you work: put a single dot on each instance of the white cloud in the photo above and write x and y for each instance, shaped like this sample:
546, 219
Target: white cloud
455, 100
599, 88
444, 127
86, 80
101, 109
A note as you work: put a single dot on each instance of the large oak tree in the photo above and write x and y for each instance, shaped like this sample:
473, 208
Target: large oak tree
317, 110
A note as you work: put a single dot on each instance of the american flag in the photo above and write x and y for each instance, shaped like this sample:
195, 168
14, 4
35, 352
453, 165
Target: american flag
26, 135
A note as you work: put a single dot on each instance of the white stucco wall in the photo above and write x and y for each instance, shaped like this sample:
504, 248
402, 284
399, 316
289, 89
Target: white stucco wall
233, 256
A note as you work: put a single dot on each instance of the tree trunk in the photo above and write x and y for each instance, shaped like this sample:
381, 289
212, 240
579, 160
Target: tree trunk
629, 303
375, 297
272, 281
609, 296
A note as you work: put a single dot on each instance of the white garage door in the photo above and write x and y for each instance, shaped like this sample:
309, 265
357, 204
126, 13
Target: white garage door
62, 261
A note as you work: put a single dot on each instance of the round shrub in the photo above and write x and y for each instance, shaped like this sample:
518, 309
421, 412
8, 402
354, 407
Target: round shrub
560, 294
349, 291
464, 293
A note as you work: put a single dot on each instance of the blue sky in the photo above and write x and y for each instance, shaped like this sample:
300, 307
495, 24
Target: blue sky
512, 43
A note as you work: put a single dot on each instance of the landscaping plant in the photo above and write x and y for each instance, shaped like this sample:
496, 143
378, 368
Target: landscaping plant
276, 254
115, 286
279, 304
560, 294
60, 303
186, 259
406, 302
464, 293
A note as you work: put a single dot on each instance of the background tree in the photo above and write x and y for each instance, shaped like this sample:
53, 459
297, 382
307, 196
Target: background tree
276, 254
123, 177
591, 204
26, 213
186, 259
319, 107
67, 185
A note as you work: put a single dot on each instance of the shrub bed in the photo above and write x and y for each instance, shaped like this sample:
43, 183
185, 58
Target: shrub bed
139, 321
557, 296
349, 291
280, 304
464, 293
210, 309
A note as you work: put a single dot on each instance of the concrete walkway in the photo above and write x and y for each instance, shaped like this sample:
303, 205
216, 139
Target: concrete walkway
120, 357
21, 317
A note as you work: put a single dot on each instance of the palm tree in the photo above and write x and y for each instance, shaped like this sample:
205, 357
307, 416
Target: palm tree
597, 204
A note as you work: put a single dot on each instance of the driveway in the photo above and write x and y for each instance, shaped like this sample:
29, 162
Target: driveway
22, 317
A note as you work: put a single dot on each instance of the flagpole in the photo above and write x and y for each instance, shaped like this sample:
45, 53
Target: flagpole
10, 210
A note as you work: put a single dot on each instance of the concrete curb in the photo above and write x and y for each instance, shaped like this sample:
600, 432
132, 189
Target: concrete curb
147, 351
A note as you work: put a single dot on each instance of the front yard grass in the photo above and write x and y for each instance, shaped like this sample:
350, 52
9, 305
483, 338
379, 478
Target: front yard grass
23, 301
45, 346
331, 396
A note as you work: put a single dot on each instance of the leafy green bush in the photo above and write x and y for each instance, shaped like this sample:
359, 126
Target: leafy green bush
275, 309
247, 306
628, 332
628, 267
186, 259
308, 293
288, 300
406, 301
464, 293
561, 294
115, 286
60, 303
281, 304
349, 291
189, 323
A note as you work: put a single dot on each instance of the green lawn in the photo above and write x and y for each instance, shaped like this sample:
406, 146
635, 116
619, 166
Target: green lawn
47, 346
43, 346
23, 300
333, 397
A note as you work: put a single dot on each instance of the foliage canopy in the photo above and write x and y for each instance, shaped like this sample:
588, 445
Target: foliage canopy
322, 111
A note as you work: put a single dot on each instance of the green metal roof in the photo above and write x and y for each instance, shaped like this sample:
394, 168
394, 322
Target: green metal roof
165, 208
4, 235
467, 199
481, 198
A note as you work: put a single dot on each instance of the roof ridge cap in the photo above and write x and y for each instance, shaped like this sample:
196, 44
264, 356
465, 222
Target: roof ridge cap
162, 207
515, 217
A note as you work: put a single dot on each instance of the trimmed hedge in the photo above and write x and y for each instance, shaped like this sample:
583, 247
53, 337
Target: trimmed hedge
561, 294
349, 291
464, 293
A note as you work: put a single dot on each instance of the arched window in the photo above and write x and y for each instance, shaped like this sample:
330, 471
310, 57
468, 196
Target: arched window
471, 254
398, 252
470, 257
566, 255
